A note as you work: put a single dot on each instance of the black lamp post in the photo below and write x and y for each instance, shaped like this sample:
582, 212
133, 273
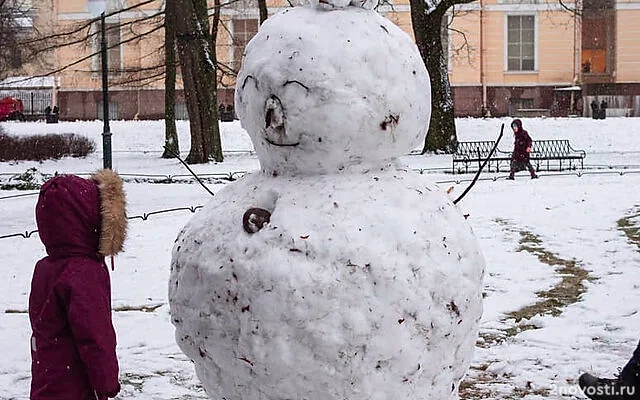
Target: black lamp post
106, 133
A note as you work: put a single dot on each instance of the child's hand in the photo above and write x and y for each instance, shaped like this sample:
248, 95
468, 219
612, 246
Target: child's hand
106, 396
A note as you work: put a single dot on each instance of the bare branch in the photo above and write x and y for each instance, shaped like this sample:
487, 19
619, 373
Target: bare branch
388, 3
83, 39
61, 68
144, 80
566, 7
94, 54
91, 21
447, 4
464, 46
222, 5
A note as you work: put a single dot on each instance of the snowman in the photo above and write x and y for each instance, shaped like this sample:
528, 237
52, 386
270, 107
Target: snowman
335, 272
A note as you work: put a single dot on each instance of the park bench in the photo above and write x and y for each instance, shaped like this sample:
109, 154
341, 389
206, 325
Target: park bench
556, 151
544, 154
474, 153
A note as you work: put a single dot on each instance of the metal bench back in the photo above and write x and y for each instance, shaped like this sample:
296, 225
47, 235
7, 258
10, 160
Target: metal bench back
475, 149
551, 148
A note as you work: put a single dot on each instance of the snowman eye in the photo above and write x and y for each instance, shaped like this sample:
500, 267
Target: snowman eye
255, 81
297, 82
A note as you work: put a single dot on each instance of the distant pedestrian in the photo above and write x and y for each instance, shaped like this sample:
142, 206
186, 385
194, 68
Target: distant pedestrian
603, 109
579, 106
73, 344
595, 110
521, 151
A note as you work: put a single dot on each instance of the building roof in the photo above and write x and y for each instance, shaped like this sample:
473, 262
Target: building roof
24, 82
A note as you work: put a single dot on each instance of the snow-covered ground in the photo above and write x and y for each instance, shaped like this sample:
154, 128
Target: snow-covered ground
540, 239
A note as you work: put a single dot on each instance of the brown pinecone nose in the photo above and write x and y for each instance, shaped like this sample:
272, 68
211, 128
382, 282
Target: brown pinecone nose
254, 219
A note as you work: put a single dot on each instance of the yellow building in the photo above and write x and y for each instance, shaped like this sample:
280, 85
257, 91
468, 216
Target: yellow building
506, 57
539, 57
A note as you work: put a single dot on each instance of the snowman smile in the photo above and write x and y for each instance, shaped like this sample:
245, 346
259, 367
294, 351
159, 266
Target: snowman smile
281, 144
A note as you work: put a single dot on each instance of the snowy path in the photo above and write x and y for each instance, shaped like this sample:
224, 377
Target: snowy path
589, 220
596, 333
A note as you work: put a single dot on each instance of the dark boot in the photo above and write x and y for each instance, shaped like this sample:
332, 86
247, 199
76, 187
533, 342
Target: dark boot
631, 371
608, 389
512, 171
532, 171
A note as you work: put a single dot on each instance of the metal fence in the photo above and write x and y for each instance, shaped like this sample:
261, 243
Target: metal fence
617, 105
28, 233
35, 101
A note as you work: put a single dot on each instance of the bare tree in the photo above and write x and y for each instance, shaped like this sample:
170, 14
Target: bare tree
426, 18
264, 13
85, 36
200, 70
14, 27
171, 144
197, 63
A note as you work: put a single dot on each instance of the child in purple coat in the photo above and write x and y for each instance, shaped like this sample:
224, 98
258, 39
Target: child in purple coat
73, 345
521, 151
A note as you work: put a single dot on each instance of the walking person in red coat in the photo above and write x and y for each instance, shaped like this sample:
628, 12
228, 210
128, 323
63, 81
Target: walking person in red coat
521, 150
73, 345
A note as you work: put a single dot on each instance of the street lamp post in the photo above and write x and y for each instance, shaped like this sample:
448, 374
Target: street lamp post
106, 132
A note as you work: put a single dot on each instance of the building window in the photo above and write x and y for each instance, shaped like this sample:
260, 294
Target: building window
521, 48
243, 31
516, 106
113, 111
114, 48
106, 5
598, 37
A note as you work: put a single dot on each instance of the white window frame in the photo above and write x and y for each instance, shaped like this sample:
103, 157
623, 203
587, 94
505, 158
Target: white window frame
114, 114
520, 2
96, 66
536, 56
95, 48
449, 50
232, 47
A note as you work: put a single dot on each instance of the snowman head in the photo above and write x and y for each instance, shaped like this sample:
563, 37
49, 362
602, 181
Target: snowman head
323, 90
333, 4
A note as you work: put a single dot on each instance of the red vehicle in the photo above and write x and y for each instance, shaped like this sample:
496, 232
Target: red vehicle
11, 108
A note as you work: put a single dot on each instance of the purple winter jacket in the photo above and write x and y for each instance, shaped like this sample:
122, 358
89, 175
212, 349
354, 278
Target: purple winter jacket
521, 143
73, 345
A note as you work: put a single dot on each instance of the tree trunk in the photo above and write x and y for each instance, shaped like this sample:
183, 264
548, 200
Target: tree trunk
427, 28
172, 147
264, 13
11, 50
213, 45
199, 78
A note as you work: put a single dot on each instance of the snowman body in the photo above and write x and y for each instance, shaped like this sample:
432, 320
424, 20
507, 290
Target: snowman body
365, 284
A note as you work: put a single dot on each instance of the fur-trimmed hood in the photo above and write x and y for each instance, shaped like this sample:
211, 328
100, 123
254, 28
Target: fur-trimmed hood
113, 212
77, 216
